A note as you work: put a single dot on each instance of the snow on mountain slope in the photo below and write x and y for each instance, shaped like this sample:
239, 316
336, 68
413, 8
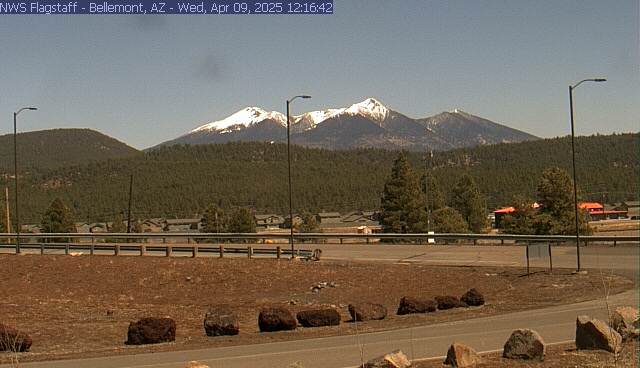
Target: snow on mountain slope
243, 118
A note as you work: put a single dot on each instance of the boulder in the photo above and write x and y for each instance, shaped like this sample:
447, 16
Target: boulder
318, 317
151, 330
14, 340
595, 334
460, 355
367, 312
276, 319
473, 298
524, 344
395, 359
625, 321
448, 302
220, 322
410, 305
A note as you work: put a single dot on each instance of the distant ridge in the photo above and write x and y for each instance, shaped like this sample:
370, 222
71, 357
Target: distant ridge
60, 147
367, 124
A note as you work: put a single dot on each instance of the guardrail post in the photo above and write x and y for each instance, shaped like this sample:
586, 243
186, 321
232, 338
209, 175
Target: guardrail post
279, 252
221, 251
195, 251
168, 250
116, 249
249, 252
42, 249
143, 250
66, 249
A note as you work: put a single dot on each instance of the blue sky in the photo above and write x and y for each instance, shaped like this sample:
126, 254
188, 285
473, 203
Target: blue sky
147, 79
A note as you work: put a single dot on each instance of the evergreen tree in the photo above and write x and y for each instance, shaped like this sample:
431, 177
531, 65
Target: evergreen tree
435, 197
118, 225
242, 220
468, 200
557, 211
403, 209
58, 219
448, 220
309, 223
214, 219
522, 220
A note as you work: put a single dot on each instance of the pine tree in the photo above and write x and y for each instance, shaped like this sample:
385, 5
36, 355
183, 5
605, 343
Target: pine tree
58, 219
242, 220
557, 211
309, 223
403, 209
214, 219
522, 220
448, 220
468, 200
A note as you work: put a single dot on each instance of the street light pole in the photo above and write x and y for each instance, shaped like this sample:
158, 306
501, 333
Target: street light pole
290, 182
573, 161
15, 167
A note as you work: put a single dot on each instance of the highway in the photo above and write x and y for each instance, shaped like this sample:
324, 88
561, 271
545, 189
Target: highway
555, 324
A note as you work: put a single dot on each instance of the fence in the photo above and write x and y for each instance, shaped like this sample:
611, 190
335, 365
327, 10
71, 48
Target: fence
260, 244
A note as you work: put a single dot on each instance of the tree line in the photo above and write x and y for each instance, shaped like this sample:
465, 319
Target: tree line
183, 181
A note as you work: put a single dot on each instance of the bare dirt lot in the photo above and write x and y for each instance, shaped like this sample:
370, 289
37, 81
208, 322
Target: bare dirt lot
81, 306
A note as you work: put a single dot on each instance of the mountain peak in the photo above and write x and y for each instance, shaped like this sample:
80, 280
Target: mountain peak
371, 108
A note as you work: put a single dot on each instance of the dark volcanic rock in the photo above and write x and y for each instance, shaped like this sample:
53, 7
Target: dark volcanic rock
276, 319
220, 322
318, 317
151, 330
473, 298
448, 302
410, 305
367, 311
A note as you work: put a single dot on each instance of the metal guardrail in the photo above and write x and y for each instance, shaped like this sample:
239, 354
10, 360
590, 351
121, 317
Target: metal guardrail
195, 244
316, 237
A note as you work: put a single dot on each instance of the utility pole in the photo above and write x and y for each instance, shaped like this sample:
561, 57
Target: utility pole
6, 200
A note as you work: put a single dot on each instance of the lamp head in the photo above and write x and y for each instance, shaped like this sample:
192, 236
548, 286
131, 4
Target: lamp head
600, 80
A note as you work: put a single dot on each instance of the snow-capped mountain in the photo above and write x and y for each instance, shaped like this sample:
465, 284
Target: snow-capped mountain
365, 124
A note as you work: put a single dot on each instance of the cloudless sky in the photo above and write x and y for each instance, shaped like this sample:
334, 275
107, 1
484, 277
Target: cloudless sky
147, 79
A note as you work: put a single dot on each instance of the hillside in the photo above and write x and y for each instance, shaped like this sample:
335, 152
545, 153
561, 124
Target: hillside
180, 181
60, 147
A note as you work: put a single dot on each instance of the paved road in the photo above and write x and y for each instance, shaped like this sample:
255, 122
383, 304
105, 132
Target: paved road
623, 259
555, 324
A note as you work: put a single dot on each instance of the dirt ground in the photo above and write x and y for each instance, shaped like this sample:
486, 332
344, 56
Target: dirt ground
82, 306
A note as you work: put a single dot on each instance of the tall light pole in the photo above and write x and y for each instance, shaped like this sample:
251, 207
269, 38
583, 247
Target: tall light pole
15, 167
289, 163
573, 160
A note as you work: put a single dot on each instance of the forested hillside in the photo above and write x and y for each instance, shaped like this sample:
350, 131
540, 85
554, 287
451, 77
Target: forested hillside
60, 147
180, 181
